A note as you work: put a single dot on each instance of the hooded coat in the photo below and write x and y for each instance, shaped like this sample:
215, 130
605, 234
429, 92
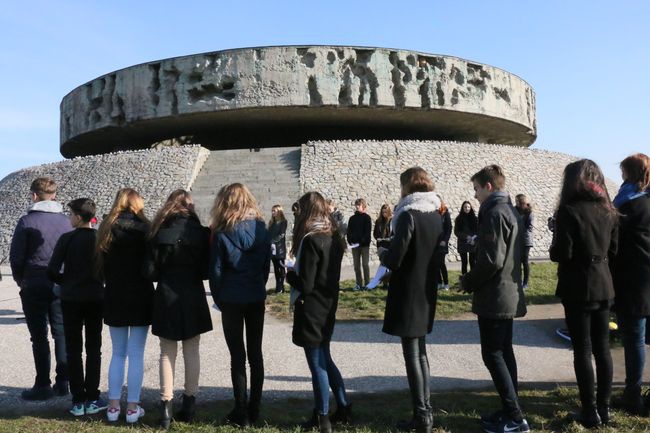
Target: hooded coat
177, 257
240, 263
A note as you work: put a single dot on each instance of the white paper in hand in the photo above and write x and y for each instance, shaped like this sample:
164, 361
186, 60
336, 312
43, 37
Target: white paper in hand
381, 272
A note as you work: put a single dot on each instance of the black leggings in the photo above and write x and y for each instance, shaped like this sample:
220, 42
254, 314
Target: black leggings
525, 263
233, 318
417, 372
499, 358
444, 275
279, 271
464, 261
589, 330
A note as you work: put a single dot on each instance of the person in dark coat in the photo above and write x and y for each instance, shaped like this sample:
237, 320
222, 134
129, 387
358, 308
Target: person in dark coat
497, 294
632, 273
278, 232
32, 245
318, 249
465, 229
413, 257
525, 209
358, 235
177, 258
382, 234
443, 246
240, 261
72, 266
584, 244
128, 298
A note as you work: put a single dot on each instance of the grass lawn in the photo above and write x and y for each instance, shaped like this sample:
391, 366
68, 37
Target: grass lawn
546, 411
370, 305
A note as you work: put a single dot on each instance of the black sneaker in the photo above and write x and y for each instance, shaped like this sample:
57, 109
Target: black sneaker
37, 393
492, 418
507, 425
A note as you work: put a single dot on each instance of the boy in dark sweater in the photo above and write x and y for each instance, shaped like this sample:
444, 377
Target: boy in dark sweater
81, 293
359, 231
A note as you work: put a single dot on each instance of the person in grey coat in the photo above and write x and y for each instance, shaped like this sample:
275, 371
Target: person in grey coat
495, 281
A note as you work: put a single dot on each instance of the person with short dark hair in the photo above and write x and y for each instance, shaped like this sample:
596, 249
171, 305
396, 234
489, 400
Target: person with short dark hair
413, 257
31, 248
584, 244
497, 294
73, 267
358, 236
525, 209
632, 274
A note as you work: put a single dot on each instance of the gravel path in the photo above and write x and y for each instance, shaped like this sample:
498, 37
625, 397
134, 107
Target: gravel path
369, 360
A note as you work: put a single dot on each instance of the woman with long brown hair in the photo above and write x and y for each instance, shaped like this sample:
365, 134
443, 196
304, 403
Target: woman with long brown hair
584, 243
632, 274
239, 267
128, 297
318, 248
278, 232
178, 259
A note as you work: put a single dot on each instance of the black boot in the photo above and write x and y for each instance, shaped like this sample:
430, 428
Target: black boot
424, 422
312, 422
253, 412
603, 412
188, 409
37, 393
165, 414
324, 425
61, 388
589, 417
238, 417
343, 415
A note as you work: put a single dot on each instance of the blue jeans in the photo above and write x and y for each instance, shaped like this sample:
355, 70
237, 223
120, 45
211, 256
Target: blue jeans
325, 375
128, 342
634, 337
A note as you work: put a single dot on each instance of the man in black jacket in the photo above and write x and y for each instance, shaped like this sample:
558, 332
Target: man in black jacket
495, 281
359, 231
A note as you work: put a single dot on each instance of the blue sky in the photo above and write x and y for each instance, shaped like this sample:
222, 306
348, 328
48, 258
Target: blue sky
588, 61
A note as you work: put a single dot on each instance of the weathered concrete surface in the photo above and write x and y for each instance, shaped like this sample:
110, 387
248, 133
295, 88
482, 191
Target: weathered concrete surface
288, 95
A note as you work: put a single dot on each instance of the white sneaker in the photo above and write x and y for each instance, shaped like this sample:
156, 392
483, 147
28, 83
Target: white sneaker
133, 415
113, 413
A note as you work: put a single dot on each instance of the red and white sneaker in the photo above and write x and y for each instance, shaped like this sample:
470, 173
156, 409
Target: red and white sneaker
113, 413
133, 415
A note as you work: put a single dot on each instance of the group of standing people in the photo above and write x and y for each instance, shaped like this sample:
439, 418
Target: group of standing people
109, 274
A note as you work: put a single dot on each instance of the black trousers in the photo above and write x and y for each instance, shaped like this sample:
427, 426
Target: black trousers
42, 307
233, 318
76, 317
499, 358
589, 329
417, 372
525, 264
464, 261
279, 271
444, 275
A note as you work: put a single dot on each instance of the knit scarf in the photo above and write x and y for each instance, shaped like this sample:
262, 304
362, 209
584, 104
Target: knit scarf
420, 201
628, 192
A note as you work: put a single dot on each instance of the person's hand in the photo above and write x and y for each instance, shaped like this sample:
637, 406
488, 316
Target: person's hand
443, 243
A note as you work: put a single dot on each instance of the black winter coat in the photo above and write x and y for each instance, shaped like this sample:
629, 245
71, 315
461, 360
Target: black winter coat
128, 298
382, 233
319, 271
584, 244
495, 278
528, 220
177, 257
465, 225
413, 256
278, 233
446, 234
632, 263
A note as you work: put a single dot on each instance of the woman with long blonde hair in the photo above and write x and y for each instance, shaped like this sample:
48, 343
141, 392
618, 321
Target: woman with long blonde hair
128, 298
178, 259
239, 268
277, 231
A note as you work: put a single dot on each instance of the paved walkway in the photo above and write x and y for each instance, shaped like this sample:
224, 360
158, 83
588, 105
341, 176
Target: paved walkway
369, 360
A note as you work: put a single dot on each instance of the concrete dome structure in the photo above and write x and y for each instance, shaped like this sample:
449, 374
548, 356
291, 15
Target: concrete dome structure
285, 96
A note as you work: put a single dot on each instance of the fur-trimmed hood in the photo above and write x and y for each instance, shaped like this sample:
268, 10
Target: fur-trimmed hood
421, 201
